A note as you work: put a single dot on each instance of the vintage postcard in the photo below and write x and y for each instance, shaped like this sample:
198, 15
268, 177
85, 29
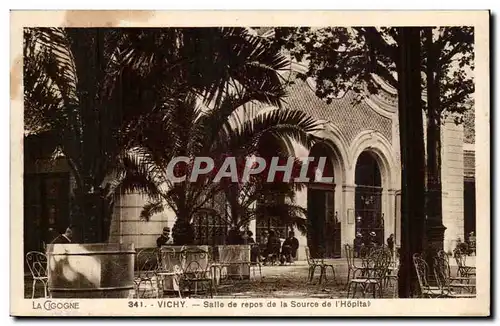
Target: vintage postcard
250, 163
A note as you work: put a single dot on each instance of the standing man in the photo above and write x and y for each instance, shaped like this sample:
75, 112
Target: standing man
372, 242
164, 238
390, 243
358, 243
65, 237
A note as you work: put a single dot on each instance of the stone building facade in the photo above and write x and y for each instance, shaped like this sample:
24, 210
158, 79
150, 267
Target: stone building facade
361, 143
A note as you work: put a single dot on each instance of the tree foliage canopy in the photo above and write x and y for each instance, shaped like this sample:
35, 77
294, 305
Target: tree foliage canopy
340, 59
99, 94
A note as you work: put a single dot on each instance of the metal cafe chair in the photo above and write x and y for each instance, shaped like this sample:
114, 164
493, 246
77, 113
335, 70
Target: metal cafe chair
323, 267
444, 280
352, 268
37, 264
392, 269
422, 269
169, 267
146, 272
196, 271
375, 268
312, 265
446, 261
233, 258
463, 269
391, 264
255, 259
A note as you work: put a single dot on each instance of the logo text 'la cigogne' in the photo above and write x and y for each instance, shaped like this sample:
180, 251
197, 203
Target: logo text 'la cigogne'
289, 169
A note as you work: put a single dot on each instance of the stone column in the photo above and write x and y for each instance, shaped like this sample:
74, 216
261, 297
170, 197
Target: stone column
252, 226
452, 177
397, 217
389, 211
301, 200
349, 228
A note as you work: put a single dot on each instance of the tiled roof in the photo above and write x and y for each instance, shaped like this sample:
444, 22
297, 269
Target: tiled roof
469, 164
350, 117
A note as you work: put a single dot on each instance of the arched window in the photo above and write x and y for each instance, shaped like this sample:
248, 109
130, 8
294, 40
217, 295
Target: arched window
369, 218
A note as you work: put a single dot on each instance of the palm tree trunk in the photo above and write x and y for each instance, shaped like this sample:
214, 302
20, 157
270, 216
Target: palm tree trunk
412, 157
92, 218
183, 231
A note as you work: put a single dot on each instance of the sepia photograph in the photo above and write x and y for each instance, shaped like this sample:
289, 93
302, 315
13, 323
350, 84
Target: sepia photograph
201, 164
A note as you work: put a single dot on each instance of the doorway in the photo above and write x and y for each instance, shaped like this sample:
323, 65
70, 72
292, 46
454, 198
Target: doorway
46, 208
368, 199
323, 234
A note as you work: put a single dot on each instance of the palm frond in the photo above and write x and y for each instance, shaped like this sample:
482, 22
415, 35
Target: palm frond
135, 172
287, 213
232, 55
49, 80
150, 209
293, 124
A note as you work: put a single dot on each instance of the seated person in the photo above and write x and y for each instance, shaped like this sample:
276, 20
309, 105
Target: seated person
289, 249
286, 253
249, 237
254, 247
263, 244
164, 238
273, 247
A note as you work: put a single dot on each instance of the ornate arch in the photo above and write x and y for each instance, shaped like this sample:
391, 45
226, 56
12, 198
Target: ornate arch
337, 144
375, 143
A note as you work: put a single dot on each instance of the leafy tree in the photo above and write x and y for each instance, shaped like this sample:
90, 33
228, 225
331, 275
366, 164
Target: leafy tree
345, 59
412, 158
469, 124
90, 93
448, 61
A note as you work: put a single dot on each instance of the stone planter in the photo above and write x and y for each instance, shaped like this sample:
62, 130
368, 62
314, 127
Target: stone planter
174, 261
99, 270
236, 259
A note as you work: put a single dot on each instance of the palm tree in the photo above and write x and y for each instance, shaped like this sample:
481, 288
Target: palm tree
89, 92
233, 128
258, 198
